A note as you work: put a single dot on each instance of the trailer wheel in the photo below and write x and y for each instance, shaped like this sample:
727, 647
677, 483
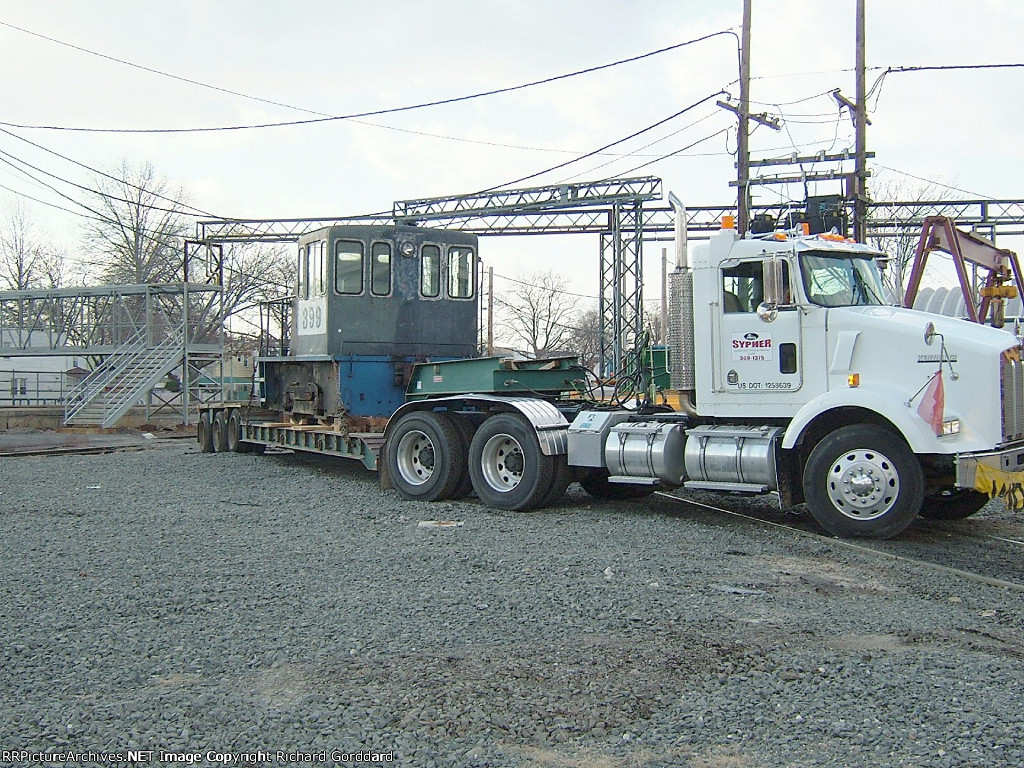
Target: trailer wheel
464, 428
425, 457
862, 480
596, 484
954, 504
204, 432
219, 433
560, 480
508, 468
235, 442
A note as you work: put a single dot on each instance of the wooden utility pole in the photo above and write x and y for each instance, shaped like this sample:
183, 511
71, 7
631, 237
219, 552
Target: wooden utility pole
860, 186
743, 136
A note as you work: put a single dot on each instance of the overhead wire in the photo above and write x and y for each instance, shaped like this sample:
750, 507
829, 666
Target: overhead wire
677, 152
100, 193
624, 139
331, 118
552, 290
106, 175
127, 183
932, 181
55, 190
43, 202
637, 152
97, 216
494, 91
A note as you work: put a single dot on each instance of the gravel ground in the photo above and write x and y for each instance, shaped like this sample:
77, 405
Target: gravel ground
172, 601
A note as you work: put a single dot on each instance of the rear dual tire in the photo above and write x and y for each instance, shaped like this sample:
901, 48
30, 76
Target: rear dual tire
508, 468
221, 432
436, 455
204, 432
425, 457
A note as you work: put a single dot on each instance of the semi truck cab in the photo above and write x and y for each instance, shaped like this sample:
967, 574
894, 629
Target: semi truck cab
885, 412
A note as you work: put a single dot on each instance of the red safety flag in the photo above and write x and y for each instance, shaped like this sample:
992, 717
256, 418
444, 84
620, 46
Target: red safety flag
932, 403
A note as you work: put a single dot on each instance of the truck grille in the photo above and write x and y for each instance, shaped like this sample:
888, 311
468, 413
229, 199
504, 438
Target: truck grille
1013, 399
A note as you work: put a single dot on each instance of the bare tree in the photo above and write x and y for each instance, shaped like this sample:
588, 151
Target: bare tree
585, 340
257, 272
652, 322
139, 239
26, 261
900, 248
538, 313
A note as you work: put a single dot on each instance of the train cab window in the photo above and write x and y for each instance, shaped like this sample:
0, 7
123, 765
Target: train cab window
461, 277
380, 269
430, 270
312, 270
348, 266
316, 268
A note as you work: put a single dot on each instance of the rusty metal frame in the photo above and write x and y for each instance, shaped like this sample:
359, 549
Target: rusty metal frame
939, 233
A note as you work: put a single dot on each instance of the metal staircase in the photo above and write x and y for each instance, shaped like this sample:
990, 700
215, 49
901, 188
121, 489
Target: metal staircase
134, 335
123, 379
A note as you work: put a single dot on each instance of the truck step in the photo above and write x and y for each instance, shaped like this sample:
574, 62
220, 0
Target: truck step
705, 485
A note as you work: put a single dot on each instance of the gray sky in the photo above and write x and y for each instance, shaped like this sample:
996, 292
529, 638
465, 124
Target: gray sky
958, 128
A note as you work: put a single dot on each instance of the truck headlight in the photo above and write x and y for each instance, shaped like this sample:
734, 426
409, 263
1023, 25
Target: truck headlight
950, 427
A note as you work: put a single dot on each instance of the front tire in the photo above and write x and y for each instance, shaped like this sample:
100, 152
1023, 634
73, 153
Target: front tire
425, 457
863, 481
953, 504
508, 468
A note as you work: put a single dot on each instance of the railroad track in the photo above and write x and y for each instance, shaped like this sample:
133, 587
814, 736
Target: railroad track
59, 450
87, 448
948, 548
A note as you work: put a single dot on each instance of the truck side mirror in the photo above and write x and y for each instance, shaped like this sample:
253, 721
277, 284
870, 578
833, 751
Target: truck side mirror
772, 280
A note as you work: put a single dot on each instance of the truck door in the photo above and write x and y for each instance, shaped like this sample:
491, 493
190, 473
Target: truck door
756, 359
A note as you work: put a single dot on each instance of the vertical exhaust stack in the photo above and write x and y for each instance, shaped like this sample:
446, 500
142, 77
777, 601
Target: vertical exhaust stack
680, 315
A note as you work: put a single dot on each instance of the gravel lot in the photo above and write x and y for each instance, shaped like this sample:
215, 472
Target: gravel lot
167, 600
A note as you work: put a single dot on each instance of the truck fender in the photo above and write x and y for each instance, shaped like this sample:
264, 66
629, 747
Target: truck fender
887, 402
547, 421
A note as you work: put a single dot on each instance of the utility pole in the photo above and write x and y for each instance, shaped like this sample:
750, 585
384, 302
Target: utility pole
743, 136
744, 117
860, 184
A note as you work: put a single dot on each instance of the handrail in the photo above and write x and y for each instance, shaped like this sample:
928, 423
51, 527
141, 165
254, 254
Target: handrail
120, 379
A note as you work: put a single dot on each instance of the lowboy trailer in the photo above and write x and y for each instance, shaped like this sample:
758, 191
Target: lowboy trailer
790, 376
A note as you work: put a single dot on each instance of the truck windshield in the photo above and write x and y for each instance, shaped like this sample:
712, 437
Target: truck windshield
841, 280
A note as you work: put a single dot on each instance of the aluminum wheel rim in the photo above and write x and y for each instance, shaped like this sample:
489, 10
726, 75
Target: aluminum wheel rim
863, 484
501, 462
415, 457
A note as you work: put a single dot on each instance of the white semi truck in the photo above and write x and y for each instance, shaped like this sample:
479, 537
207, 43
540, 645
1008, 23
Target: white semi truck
790, 375
799, 379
